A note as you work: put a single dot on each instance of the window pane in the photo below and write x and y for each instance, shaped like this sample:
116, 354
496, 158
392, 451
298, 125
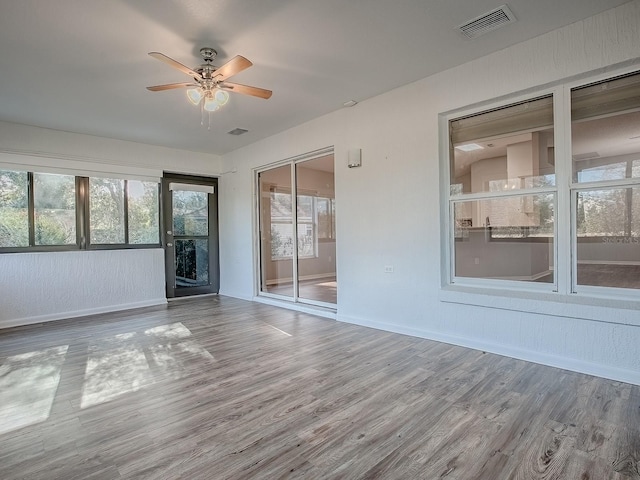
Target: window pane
144, 217
54, 209
276, 231
14, 213
106, 210
605, 130
509, 238
506, 149
315, 186
192, 263
608, 228
190, 213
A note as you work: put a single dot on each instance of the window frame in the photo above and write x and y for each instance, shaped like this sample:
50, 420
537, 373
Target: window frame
576, 298
82, 214
449, 277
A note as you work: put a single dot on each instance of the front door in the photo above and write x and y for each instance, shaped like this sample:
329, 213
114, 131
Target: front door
190, 235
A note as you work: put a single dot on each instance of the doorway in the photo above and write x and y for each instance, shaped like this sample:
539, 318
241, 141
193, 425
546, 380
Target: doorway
190, 231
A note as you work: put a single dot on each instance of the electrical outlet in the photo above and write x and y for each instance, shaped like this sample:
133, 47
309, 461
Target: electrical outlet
388, 269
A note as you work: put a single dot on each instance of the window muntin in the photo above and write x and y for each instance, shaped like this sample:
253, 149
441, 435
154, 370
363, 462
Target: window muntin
14, 211
54, 199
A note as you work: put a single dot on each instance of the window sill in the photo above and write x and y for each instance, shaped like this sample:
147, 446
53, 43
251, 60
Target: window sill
622, 311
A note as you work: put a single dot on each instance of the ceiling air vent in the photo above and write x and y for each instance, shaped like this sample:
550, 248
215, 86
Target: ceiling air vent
237, 131
489, 21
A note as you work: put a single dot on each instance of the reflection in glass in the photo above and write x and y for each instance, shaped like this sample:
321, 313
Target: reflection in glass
507, 149
603, 149
54, 209
509, 238
14, 214
316, 230
192, 262
608, 230
106, 210
605, 130
276, 231
190, 213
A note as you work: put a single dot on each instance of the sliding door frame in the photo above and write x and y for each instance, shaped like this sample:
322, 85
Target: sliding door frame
258, 260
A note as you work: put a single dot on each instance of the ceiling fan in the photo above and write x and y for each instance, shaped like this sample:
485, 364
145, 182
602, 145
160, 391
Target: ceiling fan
210, 86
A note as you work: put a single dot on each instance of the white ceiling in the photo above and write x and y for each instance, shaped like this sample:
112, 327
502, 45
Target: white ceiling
82, 66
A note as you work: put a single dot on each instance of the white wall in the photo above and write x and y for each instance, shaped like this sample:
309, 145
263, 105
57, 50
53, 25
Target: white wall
388, 210
37, 287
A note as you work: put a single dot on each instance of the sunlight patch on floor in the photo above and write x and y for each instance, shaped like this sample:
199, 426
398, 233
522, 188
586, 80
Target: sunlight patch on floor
128, 362
28, 385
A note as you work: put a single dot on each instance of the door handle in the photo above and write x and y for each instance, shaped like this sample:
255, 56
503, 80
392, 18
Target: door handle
169, 244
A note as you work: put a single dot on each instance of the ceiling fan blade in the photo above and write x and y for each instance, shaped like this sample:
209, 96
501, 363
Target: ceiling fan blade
246, 90
169, 86
177, 65
233, 66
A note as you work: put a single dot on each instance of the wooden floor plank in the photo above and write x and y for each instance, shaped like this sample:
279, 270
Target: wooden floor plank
220, 388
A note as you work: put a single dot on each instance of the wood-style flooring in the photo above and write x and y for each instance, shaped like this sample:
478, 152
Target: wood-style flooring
219, 388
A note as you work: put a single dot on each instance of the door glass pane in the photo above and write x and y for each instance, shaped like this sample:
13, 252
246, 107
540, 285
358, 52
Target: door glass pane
316, 230
190, 213
608, 229
508, 238
14, 213
192, 262
54, 209
143, 212
276, 231
106, 210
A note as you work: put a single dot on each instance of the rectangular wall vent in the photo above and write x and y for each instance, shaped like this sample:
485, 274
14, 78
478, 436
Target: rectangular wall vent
237, 131
489, 21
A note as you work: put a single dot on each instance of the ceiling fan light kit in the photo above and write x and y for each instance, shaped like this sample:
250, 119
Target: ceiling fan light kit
209, 87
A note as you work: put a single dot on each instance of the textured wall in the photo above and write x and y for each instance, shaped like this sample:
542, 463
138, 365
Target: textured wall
388, 211
38, 287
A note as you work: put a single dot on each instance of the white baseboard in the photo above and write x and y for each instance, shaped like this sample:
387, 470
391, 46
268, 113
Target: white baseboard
239, 296
18, 322
567, 363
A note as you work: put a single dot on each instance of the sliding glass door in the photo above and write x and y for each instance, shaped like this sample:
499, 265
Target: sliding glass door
297, 231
